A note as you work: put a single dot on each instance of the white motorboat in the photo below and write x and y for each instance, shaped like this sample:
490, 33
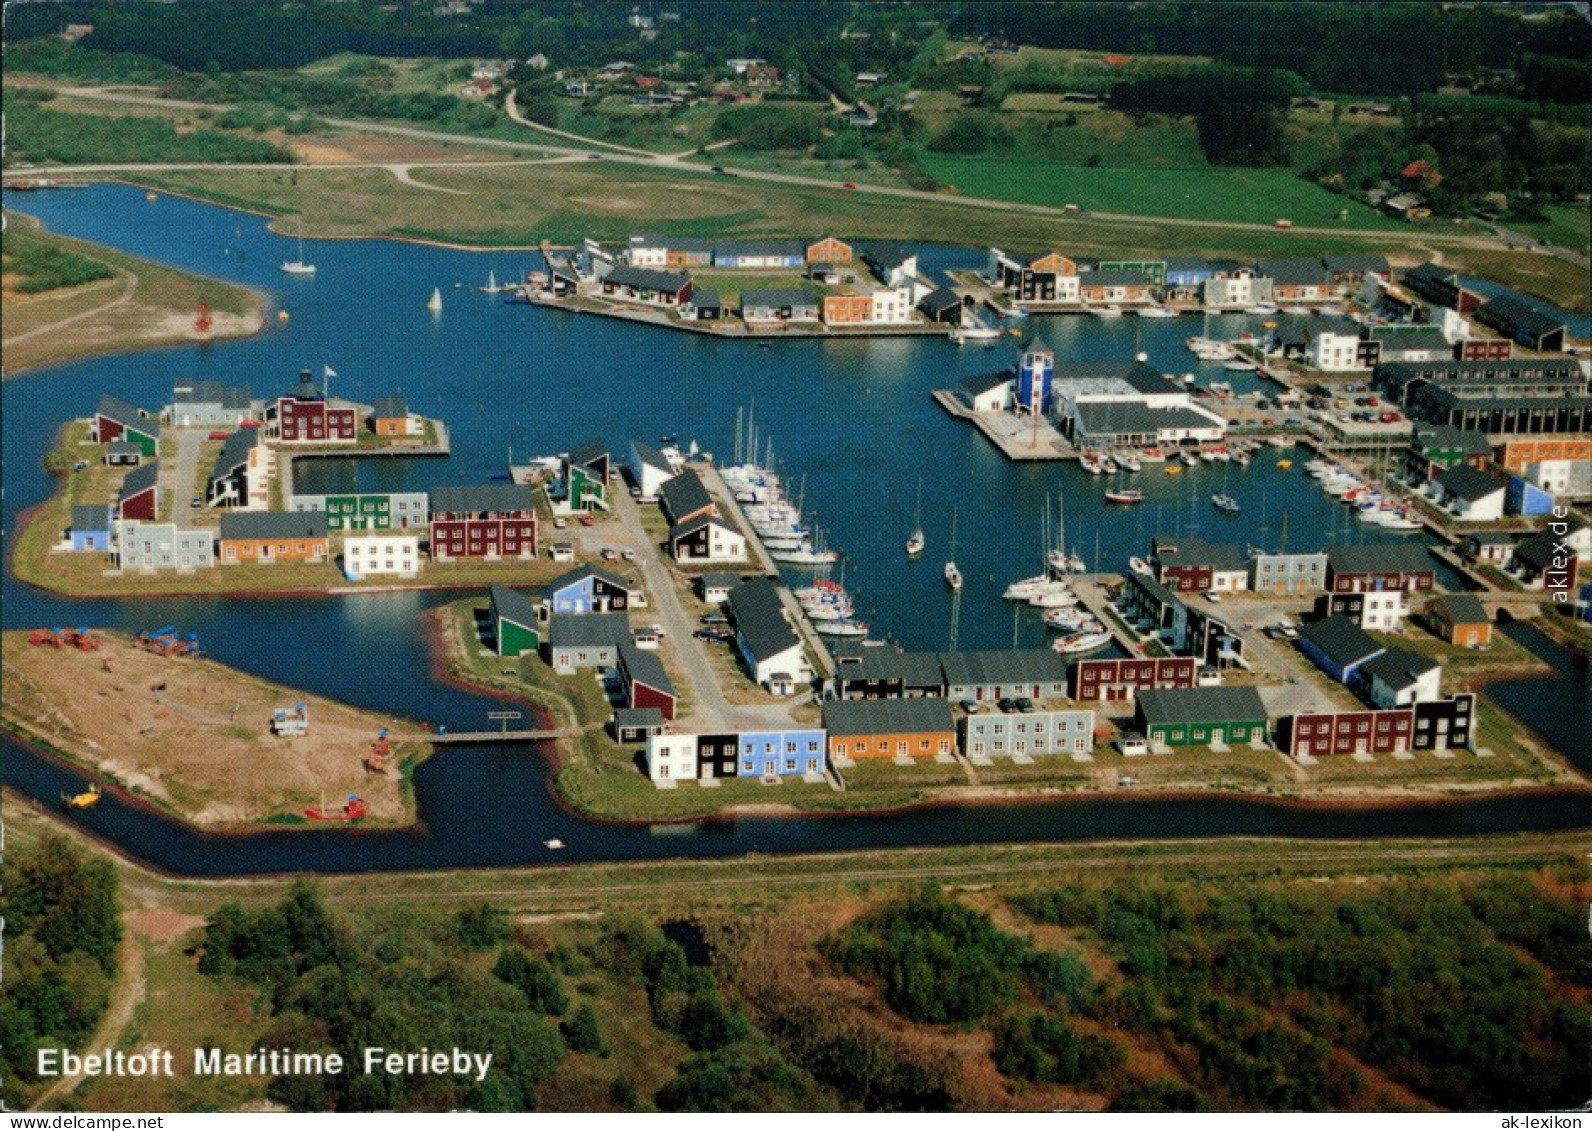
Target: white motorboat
1157, 312
1130, 462
953, 576
1240, 365
840, 628
1110, 310
805, 555
1140, 566
1082, 642
1059, 597
1026, 587
975, 332
1073, 620
1225, 502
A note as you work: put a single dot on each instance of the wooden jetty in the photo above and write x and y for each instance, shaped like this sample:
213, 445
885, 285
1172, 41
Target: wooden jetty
1019, 439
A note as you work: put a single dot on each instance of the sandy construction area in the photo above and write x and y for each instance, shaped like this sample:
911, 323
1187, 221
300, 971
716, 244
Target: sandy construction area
194, 735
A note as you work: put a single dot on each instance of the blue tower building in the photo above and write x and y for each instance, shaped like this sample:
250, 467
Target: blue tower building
1036, 374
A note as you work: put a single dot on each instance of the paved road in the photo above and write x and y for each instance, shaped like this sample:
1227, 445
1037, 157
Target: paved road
183, 481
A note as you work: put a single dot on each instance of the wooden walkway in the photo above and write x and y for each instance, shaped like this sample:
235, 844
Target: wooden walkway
464, 736
1017, 437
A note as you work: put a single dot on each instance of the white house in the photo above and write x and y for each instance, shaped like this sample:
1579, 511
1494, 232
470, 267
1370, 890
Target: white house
152, 546
650, 467
366, 555
1336, 351
671, 758
707, 538
990, 392
1398, 678
1471, 495
648, 251
1241, 287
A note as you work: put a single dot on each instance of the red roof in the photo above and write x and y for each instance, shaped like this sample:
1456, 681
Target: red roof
1423, 169
1118, 60
647, 82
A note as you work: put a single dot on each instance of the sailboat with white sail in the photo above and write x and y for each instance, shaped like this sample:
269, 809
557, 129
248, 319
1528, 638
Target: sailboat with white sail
299, 266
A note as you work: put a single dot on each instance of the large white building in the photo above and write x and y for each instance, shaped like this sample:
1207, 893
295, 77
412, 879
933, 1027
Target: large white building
365, 555
1102, 404
152, 546
1237, 288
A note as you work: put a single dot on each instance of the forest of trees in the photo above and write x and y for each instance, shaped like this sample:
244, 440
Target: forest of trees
62, 930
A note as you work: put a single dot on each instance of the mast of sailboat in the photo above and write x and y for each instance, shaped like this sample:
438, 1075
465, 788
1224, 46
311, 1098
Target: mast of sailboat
1282, 539
737, 435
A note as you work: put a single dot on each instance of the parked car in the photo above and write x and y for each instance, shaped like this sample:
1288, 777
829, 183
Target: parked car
972, 706
1024, 704
561, 523
715, 618
1007, 705
197, 501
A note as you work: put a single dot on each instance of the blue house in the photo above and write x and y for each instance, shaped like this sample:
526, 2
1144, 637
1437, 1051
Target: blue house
1036, 374
91, 528
1524, 497
782, 753
587, 590
1185, 272
1338, 646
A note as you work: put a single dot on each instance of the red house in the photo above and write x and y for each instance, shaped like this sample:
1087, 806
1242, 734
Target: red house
1125, 678
305, 416
646, 683
494, 521
139, 496
1379, 568
1348, 732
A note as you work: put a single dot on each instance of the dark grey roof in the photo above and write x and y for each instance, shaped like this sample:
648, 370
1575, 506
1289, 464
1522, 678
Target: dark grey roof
1541, 548
1341, 640
1153, 587
511, 604
1399, 669
1520, 316
124, 413
1202, 705
1379, 557
682, 529
1102, 418
123, 448
1294, 272
581, 573
985, 382
629, 718
1469, 484
1222, 556
1365, 263
1113, 278
888, 255
684, 495
1433, 273
588, 630
644, 667
702, 299
1445, 437
91, 518
588, 452
1511, 371
646, 279
1460, 608
760, 618
1185, 263
482, 498
941, 298
387, 408
1491, 538
913, 669
651, 456
306, 389
1029, 665
212, 392
273, 524
779, 296
235, 451
846, 717
140, 479
719, 580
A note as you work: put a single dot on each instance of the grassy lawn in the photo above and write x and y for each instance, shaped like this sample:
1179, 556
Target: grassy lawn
1567, 225
1254, 196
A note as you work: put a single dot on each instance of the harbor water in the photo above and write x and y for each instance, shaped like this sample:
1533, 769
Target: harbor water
852, 427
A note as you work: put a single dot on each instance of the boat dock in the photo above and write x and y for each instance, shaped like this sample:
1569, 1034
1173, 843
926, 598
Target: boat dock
464, 737
823, 663
1020, 438
1091, 590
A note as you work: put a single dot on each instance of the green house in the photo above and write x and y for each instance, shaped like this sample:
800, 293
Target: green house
1201, 716
515, 622
586, 490
376, 510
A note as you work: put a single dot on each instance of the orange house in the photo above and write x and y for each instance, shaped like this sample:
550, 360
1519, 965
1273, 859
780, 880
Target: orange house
1516, 455
1054, 263
829, 250
264, 537
1460, 619
391, 417
847, 308
862, 729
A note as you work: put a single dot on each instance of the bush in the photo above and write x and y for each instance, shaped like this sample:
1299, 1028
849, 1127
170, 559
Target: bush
582, 1033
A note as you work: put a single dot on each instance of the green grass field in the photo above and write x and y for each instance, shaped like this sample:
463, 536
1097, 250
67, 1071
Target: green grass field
1567, 225
1255, 196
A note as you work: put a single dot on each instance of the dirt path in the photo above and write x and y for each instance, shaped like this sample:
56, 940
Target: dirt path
129, 288
126, 995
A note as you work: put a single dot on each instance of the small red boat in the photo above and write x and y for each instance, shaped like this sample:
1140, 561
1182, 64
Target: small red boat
352, 810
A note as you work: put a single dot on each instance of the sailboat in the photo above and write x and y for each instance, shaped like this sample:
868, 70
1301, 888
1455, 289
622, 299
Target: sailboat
298, 266
953, 576
917, 541
1059, 559
435, 305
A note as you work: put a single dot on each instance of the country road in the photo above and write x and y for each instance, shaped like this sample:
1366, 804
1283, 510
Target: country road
585, 148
